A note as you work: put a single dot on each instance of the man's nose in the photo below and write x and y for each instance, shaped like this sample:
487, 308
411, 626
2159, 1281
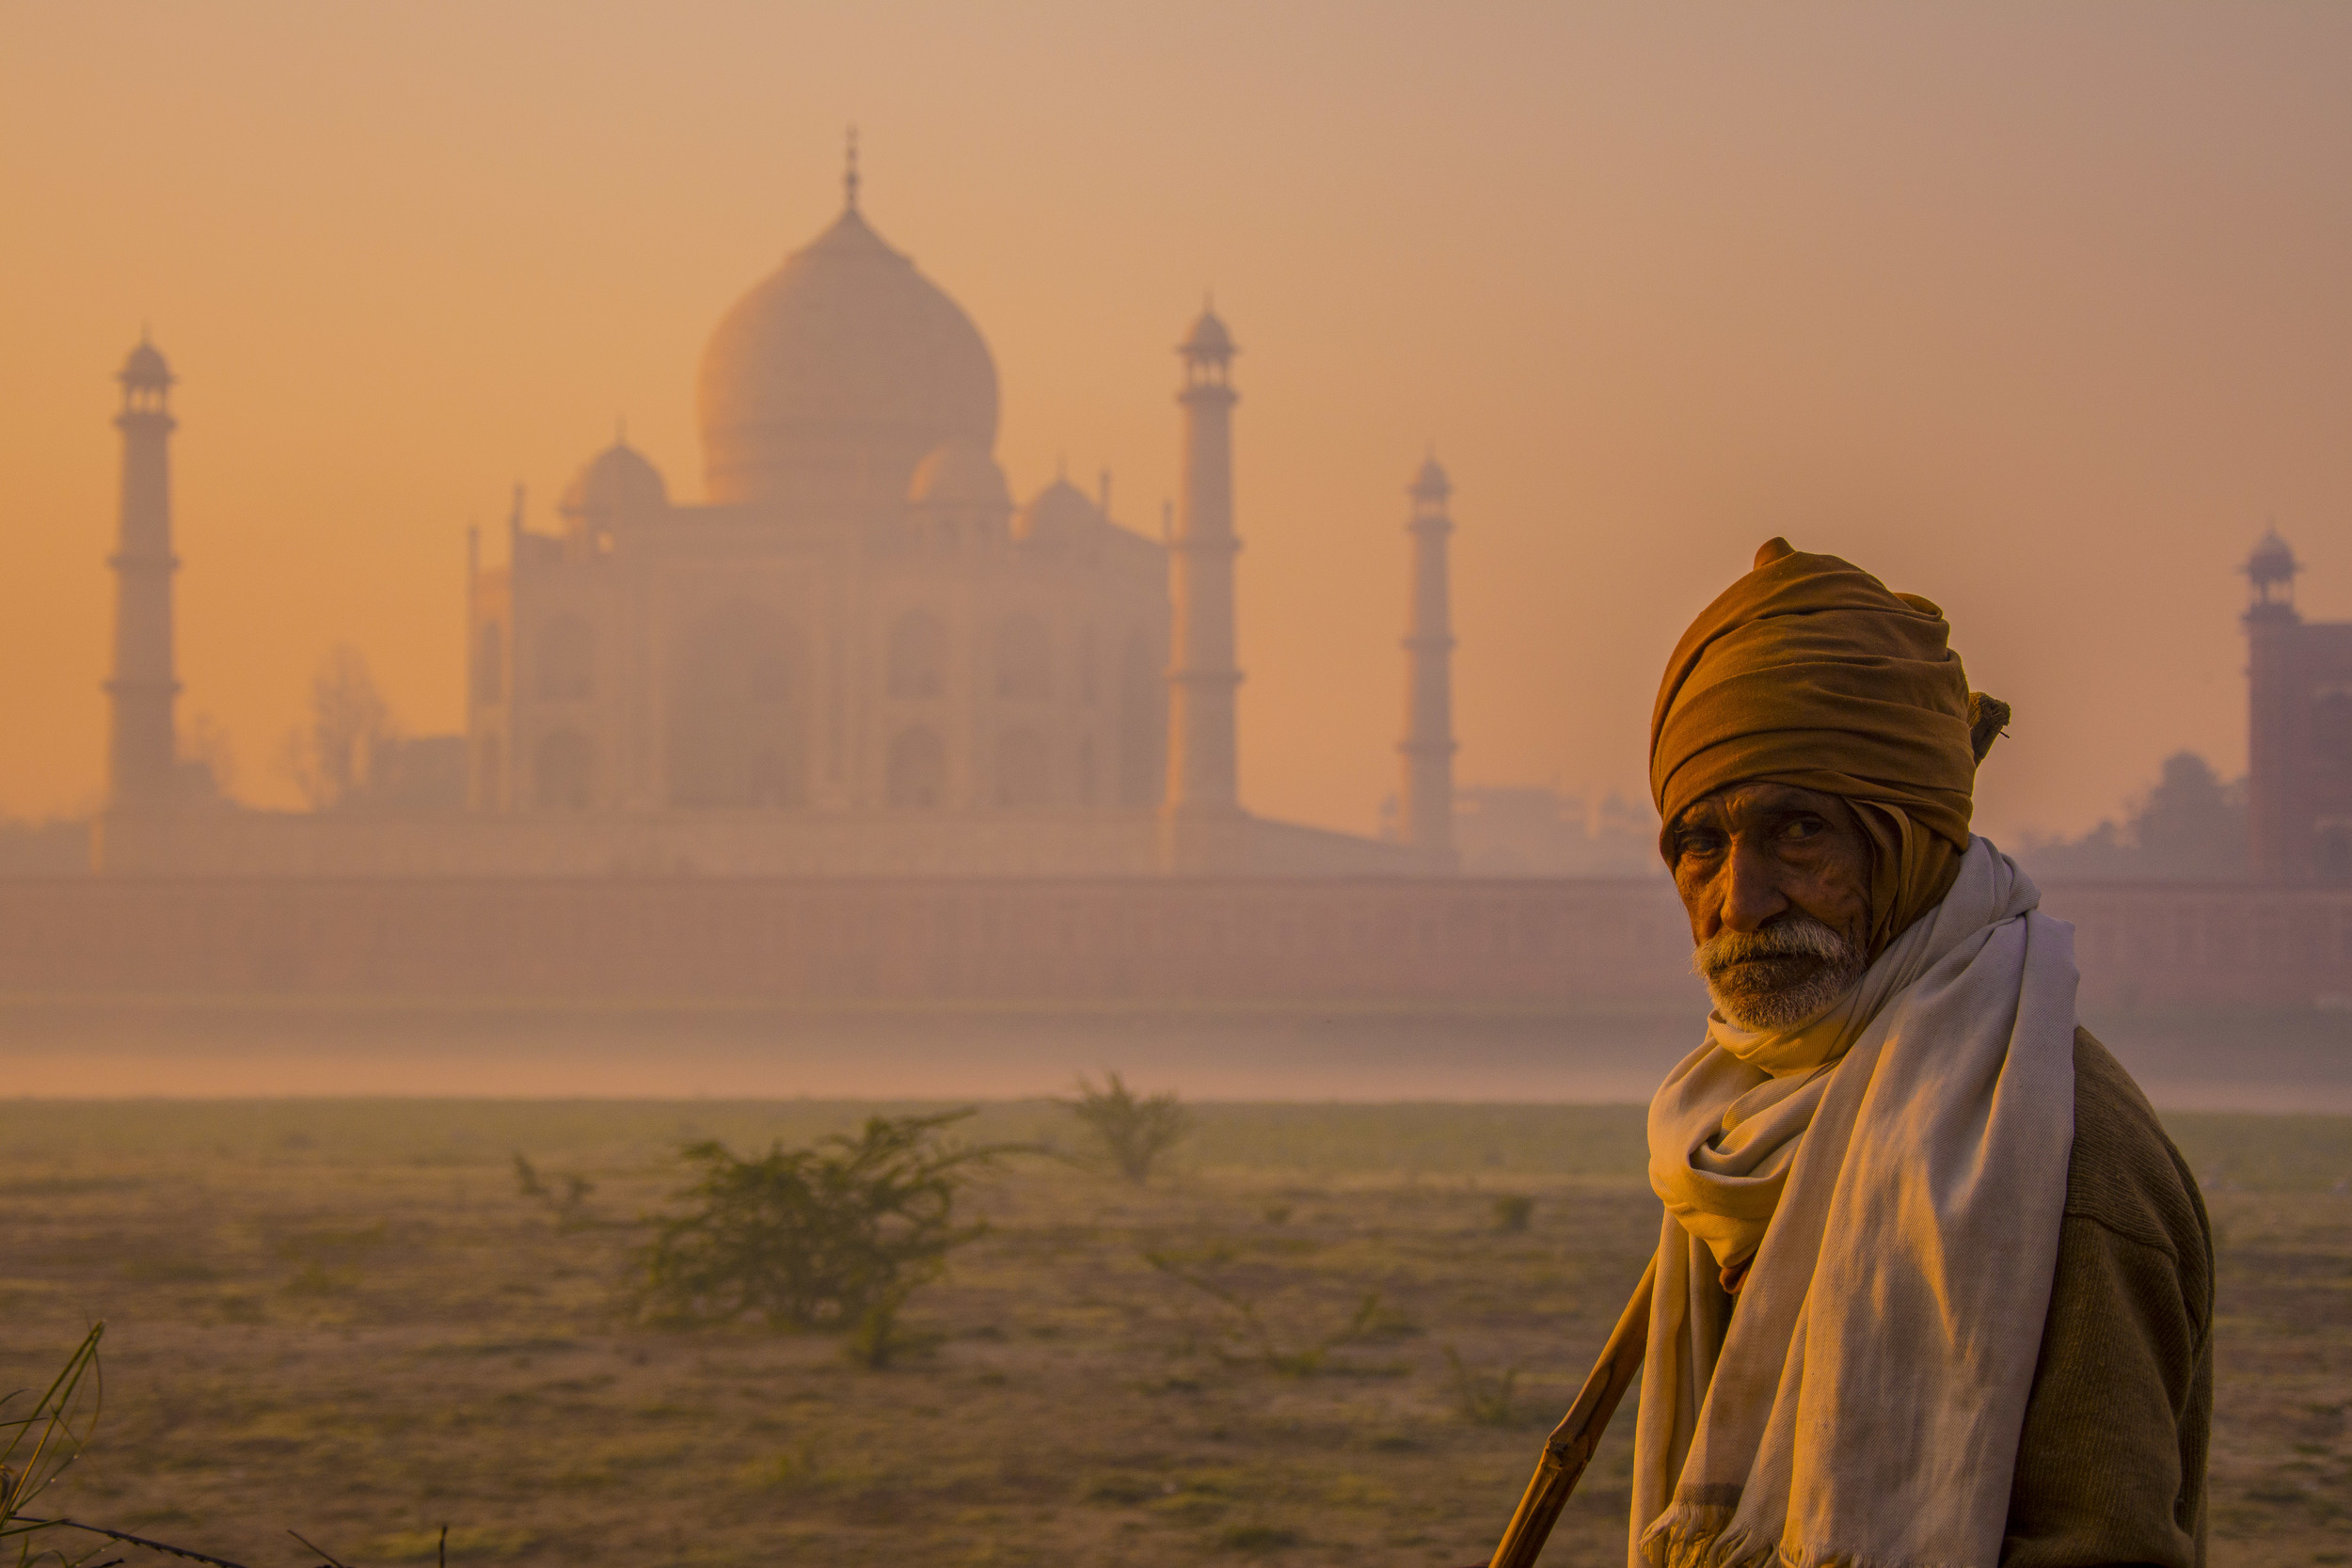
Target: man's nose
1752, 896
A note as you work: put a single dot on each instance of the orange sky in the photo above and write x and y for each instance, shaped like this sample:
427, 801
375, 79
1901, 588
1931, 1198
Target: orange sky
2041, 311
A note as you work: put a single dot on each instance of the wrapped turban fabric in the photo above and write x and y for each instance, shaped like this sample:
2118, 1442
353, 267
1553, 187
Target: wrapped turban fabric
1882, 1184
1809, 672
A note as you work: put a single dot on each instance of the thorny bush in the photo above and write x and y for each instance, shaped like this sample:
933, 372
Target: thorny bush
1289, 1360
834, 1237
1135, 1130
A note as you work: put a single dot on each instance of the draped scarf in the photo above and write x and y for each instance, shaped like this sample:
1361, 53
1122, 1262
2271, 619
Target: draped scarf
1883, 1183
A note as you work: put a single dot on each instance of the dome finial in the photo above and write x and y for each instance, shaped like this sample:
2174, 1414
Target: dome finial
848, 174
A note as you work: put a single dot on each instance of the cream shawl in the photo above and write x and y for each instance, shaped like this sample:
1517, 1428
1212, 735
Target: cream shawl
1891, 1176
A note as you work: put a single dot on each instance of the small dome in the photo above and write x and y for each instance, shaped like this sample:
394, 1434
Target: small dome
2273, 561
961, 474
145, 367
1208, 339
617, 483
1431, 483
1058, 512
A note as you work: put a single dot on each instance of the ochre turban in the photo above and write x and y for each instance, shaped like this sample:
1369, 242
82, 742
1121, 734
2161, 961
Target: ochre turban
1810, 672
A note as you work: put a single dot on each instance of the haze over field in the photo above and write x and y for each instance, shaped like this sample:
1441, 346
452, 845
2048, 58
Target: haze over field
2039, 313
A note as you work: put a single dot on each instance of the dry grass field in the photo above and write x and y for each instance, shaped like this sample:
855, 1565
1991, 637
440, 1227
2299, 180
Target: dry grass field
343, 1318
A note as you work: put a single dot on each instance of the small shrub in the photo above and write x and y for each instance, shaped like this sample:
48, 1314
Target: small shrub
1278, 1213
833, 1238
1134, 1132
1512, 1212
1287, 1360
1480, 1398
569, 1198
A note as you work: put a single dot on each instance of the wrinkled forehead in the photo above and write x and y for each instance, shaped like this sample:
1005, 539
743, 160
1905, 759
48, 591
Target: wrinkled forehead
1746, 800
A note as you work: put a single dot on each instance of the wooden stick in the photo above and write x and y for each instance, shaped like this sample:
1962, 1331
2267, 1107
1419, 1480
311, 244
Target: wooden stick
1570, 1447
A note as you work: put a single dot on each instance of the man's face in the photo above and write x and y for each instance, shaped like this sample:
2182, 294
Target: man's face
1777, 882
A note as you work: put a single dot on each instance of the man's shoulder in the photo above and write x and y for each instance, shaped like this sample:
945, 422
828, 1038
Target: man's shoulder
2124, 1174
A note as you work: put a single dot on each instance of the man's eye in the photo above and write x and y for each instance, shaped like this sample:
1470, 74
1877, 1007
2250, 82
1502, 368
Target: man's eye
1698, 844
1803, 827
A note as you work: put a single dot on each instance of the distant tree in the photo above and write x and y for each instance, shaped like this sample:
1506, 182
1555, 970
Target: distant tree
2189, 827
1133, 1130
833, 1238
335, 757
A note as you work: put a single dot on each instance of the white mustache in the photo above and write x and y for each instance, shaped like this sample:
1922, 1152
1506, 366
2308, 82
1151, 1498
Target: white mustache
1792, 936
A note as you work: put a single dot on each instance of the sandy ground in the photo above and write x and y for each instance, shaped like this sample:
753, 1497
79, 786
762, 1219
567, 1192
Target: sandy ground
344, 1318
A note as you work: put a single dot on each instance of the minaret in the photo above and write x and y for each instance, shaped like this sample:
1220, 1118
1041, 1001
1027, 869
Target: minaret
2278, 807
1202, 677
142, 750
1428, 743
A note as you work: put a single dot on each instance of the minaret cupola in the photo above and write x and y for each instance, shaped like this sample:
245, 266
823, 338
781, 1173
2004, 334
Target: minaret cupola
2271, 571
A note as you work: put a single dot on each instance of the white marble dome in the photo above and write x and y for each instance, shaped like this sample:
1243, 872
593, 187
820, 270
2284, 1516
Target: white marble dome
831, 380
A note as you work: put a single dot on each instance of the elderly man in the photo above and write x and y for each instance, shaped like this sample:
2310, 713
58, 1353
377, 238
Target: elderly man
1933, 1289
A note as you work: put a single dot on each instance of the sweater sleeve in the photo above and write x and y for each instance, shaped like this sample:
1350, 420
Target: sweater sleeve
2111, 1464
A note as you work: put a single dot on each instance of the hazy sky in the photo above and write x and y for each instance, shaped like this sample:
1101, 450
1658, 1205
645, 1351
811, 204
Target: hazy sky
2042, 311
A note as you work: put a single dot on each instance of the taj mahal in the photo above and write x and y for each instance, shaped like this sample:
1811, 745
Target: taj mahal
857, 655
858, 726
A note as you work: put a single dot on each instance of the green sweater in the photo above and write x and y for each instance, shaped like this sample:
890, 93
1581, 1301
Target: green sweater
2111, 1467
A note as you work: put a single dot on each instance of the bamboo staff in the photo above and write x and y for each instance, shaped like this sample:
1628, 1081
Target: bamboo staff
1570, 1447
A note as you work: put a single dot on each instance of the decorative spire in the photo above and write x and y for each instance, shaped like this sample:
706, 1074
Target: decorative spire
849, 175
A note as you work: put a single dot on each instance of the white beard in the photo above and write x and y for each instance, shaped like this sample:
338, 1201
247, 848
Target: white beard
1810, 966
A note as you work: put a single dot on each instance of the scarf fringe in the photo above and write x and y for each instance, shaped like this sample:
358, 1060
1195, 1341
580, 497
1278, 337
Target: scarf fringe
1699, 1535
1696, 1535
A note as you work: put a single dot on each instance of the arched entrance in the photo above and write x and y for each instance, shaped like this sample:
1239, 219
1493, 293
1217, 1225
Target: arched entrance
737, 734
918, 771
563, 774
